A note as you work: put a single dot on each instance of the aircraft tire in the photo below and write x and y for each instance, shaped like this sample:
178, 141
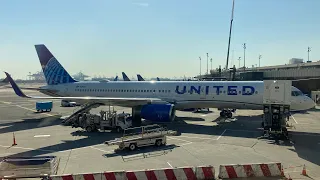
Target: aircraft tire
229, 114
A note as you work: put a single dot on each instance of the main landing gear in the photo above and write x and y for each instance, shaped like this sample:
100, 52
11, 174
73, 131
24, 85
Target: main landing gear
227, 113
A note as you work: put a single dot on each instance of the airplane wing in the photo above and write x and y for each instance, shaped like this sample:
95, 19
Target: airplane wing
127, 102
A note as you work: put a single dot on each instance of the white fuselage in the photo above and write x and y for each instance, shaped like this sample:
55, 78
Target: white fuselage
184, 94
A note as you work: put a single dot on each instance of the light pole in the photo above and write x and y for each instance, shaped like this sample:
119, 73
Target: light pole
200, 68
244, 56
259, 59
207, 62
211, 63
239, 61
309, 49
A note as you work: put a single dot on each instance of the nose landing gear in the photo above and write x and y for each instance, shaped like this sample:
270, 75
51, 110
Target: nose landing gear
227, 113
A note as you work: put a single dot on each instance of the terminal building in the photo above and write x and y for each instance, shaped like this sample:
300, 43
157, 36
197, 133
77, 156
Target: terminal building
304, 75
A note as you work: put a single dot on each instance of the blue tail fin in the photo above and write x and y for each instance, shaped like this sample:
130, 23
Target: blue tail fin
116, 78
140, 78
125, 77
158, 79
52, 69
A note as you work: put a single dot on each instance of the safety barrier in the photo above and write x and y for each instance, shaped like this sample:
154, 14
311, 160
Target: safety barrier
182, 173
250, 170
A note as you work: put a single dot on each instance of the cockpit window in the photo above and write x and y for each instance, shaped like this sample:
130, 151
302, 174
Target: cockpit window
296, 93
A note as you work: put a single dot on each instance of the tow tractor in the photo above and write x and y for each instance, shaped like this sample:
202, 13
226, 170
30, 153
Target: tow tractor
142, 136
107, 120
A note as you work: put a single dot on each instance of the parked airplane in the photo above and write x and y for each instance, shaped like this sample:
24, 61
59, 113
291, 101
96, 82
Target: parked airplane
125, 77
140, 78
5, 81
154, 100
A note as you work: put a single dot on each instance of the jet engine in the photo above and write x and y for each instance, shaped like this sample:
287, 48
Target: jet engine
158, 113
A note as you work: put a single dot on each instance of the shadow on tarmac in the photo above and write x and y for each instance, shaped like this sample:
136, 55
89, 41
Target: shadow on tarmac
304, 144
26, 124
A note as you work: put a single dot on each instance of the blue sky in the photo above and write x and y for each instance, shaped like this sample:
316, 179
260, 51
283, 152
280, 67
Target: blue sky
154, 37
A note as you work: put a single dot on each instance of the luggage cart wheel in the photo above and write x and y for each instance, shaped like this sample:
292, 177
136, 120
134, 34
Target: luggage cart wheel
132, 147
158, 142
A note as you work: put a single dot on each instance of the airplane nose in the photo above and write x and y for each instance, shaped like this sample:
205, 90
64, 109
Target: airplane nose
311, 103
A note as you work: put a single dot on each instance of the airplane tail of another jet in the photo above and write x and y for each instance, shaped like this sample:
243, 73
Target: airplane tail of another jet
5, 80
52, 69
158, 79
116, 78
140, 78
125, 77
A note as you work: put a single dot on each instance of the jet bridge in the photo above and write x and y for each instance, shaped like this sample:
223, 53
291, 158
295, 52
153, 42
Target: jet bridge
276, 107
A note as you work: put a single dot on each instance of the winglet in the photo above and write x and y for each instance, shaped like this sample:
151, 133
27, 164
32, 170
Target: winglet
15, 87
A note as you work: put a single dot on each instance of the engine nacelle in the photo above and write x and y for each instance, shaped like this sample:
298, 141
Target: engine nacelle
159, 113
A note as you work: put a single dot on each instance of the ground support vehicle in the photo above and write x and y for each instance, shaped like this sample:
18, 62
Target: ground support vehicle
142, 136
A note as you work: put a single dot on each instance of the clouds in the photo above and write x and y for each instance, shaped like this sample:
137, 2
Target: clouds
141, 4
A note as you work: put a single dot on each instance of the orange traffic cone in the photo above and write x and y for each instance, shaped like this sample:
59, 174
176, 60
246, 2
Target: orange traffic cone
14, 140
304, 171
282, 172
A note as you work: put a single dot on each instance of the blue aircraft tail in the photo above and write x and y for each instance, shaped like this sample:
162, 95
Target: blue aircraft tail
116, 78
140, 78
125, 77
158, 79
52, 69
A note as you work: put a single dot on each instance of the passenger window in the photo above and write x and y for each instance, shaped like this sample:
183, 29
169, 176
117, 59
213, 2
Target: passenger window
144, 90
168, 91
256, 92
239, 92
159, 91
163, 91
147, 90
154, 91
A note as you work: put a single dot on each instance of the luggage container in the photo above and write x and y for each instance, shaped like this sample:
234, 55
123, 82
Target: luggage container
44, 106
